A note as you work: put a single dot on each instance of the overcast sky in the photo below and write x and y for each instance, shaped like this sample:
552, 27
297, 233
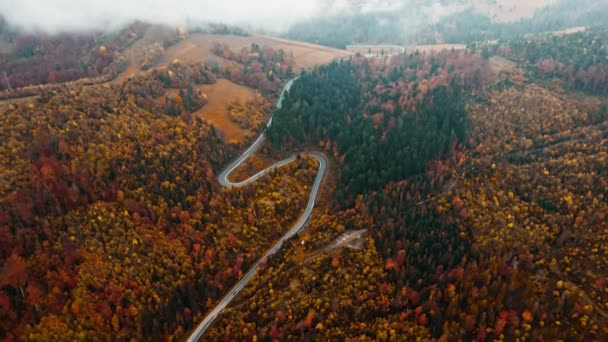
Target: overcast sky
70, 15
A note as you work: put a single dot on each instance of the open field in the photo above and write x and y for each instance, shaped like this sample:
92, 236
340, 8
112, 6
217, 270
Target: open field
220, 96
306, 55
197, 48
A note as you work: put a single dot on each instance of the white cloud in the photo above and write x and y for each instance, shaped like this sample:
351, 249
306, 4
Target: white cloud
73, 15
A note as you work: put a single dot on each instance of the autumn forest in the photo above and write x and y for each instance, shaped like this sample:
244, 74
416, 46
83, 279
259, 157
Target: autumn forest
477, 178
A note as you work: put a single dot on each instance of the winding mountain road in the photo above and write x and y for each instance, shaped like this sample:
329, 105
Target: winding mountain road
223, 179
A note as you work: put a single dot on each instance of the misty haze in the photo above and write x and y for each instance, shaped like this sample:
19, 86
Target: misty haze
326, 170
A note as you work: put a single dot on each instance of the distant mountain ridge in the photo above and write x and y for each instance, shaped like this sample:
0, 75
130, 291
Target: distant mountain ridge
408, 22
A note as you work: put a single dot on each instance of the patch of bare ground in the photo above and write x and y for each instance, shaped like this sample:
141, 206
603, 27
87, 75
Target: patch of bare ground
306, 55
220, 95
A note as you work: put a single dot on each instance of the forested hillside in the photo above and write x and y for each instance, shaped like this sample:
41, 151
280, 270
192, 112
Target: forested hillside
361, 114
29, 59
475, 183
577, 60
426, 22
489, 225
472, 26
113, 225
341, 30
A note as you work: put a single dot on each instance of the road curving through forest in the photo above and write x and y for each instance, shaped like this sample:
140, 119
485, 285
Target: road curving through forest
223, 179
